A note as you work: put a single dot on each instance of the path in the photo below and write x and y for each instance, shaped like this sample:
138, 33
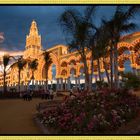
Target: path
16, 116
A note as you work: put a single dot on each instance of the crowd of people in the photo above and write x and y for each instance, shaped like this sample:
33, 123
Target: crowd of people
48, 94
27, 96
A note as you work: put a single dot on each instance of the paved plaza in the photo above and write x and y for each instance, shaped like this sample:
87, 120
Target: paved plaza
16, 116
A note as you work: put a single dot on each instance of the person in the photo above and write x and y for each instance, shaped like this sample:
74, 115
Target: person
25, 96
51, 94
31, 94
47, 94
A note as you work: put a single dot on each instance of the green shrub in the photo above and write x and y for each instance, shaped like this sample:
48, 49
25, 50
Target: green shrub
131, 80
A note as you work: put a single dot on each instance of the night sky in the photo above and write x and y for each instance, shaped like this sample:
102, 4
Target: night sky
15, 22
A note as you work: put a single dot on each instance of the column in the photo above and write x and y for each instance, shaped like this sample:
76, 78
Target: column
96, 76
57, 84
61, 83
78, 81
65, 84
75, 81
90, 81
68, 83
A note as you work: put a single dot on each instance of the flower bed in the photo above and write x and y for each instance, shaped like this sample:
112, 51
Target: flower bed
101, 112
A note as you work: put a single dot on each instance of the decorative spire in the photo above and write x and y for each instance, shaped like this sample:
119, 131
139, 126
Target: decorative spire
33, 42
33, 28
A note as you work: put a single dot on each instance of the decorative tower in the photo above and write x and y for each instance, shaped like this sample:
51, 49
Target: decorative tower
33, 42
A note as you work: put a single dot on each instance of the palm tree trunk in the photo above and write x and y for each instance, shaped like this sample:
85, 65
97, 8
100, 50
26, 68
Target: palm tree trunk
99, 70
32, 75
46, 79
4, 81
116, 66
111, 67
86, 75
107, 74
92, 68
19, 81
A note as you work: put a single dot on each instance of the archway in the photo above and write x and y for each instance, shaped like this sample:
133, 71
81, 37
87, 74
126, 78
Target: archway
72, 62
124, 62
51, 75
53, 71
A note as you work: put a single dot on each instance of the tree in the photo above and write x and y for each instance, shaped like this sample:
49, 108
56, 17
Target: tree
118, 24
48, 62
20, 65
6, 59
79, 29
33, 66
100, 48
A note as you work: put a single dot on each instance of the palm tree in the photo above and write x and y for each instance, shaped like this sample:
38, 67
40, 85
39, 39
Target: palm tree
33, 66
98, 45
20, 65
101, 47
77, 27
118, 24
6, 59
48, 62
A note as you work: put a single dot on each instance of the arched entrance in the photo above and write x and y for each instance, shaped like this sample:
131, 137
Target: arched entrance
53, 71
51, 75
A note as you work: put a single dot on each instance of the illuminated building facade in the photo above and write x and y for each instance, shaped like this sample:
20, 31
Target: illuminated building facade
66, 67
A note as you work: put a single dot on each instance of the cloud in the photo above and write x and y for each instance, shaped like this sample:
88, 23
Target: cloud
16, 21
2, 37
11, 53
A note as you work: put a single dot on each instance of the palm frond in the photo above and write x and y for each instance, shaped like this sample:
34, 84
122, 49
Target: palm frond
21, 63
47, 59
90, 12
6, 59
69, 20
132, 11
33, 64
128, 27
